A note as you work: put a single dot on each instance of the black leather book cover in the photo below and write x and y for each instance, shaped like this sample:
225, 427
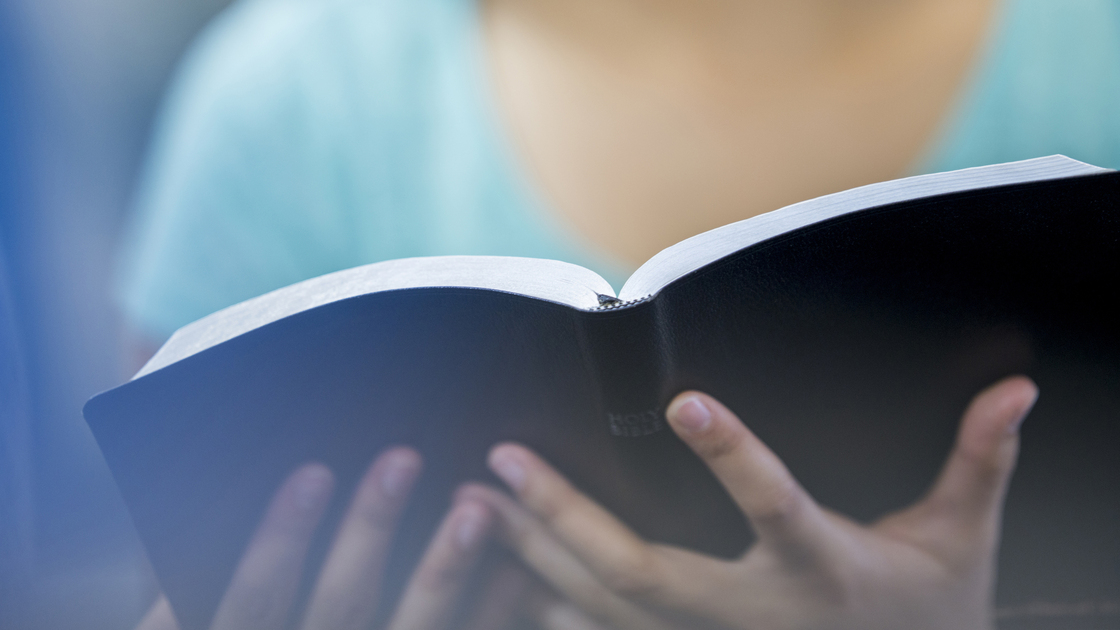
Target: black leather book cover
850, 346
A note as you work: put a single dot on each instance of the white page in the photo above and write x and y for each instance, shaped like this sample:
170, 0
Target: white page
691, 254
549, 280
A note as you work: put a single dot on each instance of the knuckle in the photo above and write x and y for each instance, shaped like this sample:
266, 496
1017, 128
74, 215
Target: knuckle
986, 450
441, 576
984, 467
722, 444
779, 502
378, 517
634, 576
555, 503
839, 589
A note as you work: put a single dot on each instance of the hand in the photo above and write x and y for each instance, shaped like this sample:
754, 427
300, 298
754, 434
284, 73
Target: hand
930, 566
345, 596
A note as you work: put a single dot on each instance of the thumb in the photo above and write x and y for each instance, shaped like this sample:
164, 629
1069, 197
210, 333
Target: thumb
971, 487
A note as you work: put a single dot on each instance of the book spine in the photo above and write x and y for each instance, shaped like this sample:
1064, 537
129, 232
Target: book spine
630, 357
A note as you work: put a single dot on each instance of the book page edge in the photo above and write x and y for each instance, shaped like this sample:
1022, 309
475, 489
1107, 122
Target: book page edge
549, 280
680, 259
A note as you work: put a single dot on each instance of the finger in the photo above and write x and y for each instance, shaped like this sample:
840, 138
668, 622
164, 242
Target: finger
782, 514
619, 559
552, 613
265, 582
615, 554
429, 600
502, 600
345, 596
159, 617
541, 551
972, 485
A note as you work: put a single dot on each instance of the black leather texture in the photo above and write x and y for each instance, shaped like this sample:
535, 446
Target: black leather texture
851, 347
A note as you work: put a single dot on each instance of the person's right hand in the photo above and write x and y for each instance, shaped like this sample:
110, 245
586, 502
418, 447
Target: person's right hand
930, 566
346, 594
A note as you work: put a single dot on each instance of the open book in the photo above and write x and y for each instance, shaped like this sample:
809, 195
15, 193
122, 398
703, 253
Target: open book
849, 331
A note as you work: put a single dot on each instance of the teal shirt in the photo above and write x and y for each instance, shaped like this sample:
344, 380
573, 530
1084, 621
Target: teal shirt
306, 136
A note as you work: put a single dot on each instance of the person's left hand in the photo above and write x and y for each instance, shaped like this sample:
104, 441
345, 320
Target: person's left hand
930, 566
347, 592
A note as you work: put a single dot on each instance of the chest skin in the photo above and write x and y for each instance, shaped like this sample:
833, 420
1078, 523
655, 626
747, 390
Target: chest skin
640, 133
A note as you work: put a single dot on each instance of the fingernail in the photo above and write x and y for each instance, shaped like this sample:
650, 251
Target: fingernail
509, 469
469, 529
693, 415
1014, 426
312, 487
400, 472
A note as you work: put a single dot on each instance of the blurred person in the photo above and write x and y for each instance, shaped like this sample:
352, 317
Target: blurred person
307, 136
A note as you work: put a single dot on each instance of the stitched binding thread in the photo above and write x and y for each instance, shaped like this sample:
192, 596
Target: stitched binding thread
615, 304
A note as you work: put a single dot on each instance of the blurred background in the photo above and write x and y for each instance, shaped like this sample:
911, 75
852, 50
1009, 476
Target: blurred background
80, 81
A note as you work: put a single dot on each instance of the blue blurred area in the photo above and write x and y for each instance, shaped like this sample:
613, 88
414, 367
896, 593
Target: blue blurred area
79, 83
16, 500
